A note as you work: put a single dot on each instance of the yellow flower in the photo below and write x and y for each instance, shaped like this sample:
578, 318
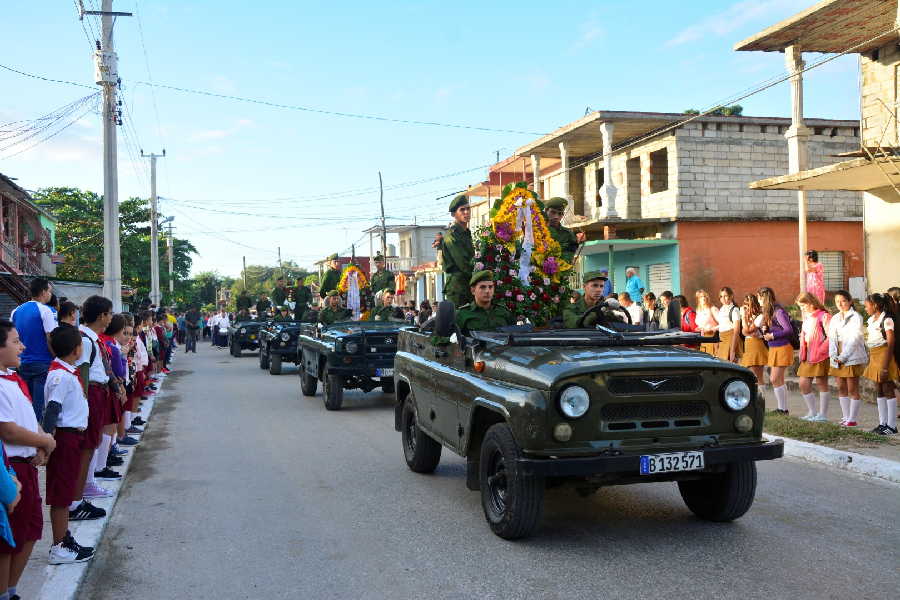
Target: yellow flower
361, 280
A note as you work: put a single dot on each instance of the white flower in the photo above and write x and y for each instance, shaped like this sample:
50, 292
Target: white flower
512, 272
479, 266
477, 254
546, 281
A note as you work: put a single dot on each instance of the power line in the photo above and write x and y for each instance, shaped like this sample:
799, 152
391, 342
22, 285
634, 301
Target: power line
42, 78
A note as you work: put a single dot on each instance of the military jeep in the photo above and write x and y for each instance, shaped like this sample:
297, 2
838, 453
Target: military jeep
348, 355
278, 345
587, 408
243, 335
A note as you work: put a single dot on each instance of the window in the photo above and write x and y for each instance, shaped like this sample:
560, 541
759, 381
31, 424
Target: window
659, 278
600, 180
659, 171
833, 261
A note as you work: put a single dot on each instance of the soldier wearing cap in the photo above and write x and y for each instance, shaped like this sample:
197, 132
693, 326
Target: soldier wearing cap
554, 209
280, 293
382, 279
333, 311
384, 309
302, 299
482, 314
262, 307
458, 253
243, 302
283, 314
332, 276
593, 293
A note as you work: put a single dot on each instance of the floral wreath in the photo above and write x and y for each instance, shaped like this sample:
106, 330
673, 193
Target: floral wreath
361, 279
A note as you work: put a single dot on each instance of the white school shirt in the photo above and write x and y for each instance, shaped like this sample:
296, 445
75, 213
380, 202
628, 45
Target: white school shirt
845, 339
636, 313
874, 339
16, 408
63, 386
97, 372
141, 358
726, 313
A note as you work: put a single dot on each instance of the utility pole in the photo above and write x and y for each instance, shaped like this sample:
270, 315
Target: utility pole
107, 77
383, 227
280, 268
170, 243
155, 294
244, 273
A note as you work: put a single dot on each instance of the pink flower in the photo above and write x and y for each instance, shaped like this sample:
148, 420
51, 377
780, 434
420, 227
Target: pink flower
479, 266
550, 265
532, 296
546, 280
477, 253
520, 298
504, 232
508, 294
556, 299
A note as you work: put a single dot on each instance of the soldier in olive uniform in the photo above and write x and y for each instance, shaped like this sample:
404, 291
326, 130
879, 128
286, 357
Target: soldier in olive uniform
482, 314
458, 253
283, 314
554, 210
302, 300
333, 311
243, 302
382, 279
262, 307
384, 309
280, 293
593, 293
332, 276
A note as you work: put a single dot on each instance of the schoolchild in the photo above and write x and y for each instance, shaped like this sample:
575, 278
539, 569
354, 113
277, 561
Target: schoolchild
847, 350
706, 320
67, 314
882, 370
66, 418
27, 447
775, 324
756, 353
814, 356
729, 318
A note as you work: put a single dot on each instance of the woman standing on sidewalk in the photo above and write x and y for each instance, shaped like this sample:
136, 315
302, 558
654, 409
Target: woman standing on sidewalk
882, 369
847, 350
777, 331
756, 353
814, 356
706, 320
815, 275
729, 319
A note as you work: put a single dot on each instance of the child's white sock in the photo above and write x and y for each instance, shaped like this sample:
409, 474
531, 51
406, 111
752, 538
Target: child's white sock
891, 409
854, 408
824, 398
882, 410
845, 407
781, 396
810, 400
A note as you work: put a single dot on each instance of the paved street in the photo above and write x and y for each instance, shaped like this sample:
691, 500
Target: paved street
243, 488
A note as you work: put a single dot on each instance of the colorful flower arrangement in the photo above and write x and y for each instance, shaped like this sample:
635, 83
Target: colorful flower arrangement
361, 279
499, 247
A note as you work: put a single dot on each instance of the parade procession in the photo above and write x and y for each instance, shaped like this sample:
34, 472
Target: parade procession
328, 296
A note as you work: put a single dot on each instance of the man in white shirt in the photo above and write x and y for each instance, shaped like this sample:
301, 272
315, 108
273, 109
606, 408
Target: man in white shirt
632, 307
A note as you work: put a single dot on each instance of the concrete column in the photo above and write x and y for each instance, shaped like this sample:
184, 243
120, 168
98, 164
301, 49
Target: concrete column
798, 146
536, 171
564, 165
420, 289
608, 190
438, 287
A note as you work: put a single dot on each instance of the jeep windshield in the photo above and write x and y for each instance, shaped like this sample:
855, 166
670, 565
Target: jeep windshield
357, 326
602, 336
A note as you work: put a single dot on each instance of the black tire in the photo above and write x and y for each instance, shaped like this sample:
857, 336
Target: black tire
263, 359
422, 453
387, 385
512, 501
724, 496
308, 383
235, 350
333, 391
275, 364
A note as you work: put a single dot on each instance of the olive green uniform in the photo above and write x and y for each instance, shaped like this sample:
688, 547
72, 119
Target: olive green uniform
330, 315
243, 302
262, 307
330, 281
383, 313
458, 254
279, 295
383, 280
302, 300
281, 317
572, 312
568, 243
471, 317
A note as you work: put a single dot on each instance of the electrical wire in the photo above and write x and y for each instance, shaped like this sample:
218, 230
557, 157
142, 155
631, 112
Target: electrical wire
56, 125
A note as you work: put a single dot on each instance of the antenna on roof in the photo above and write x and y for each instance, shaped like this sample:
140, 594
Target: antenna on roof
588, 111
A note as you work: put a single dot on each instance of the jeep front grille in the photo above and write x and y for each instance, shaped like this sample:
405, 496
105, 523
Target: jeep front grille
653, 384
380, 344
641, 411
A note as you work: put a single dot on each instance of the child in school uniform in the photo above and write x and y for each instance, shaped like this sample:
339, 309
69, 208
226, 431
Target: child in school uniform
27, 447
66, 417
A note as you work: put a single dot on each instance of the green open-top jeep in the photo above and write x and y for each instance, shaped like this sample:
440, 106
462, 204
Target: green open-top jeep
587, 407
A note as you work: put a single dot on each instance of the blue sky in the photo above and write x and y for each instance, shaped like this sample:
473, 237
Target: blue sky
524, 66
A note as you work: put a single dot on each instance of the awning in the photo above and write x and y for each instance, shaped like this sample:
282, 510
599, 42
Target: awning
602, 246
858, 175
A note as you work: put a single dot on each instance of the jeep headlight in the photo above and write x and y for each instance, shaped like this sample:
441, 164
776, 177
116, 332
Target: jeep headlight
351, 347
243, 330
285, 336
574, 401
736, 395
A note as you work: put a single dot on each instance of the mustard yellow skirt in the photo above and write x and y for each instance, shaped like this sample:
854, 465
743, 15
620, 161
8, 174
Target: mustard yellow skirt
709, 348
756, 354
782, 356
724, 348
847, 371
819, 369
876, 359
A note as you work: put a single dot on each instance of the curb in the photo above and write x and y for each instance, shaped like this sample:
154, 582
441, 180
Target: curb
860, 464
61, 582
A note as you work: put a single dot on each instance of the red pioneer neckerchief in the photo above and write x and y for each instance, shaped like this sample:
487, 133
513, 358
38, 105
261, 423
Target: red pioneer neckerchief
57, 366
22, 385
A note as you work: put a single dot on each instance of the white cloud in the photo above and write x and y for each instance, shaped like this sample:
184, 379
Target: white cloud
736, 16
590, 32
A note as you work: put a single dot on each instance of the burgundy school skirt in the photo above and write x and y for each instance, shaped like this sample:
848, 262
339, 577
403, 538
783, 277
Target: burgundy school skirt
27, 520
98, 415
64, 467
137, 389
115, 408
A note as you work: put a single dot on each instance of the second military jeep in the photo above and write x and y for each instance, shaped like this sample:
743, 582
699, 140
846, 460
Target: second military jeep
278, 345
349, 355
584, 407
243, 335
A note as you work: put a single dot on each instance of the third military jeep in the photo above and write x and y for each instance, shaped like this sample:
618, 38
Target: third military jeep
278, 345
243, 335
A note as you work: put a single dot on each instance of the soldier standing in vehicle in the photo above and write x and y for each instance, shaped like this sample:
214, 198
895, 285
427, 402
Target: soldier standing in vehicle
592, 294
243, 303
458, 252
382, 279
262, 306
333, 311
482, 314
332, 276
302, 299
384, 309
280, 293
283, 314
554, 210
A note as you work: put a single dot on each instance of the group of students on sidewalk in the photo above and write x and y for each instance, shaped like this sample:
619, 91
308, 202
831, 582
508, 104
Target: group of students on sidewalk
70, 400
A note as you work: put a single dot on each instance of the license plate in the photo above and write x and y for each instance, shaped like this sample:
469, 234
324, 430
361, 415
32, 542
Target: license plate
252, 337
384, 372
652, 464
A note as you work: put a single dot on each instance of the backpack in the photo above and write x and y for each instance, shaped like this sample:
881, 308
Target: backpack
796, 326
884, 335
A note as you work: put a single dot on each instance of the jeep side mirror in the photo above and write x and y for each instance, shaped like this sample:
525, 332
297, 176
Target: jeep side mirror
445, 319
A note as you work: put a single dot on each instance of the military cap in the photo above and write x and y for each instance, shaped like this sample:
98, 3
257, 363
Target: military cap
460, 200
332, 293
479, 276
333, 256
557, 203
592, 275
379, 257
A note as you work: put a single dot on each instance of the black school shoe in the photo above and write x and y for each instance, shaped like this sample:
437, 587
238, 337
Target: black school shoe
86, 512
138, 421
114, 461
107, 473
